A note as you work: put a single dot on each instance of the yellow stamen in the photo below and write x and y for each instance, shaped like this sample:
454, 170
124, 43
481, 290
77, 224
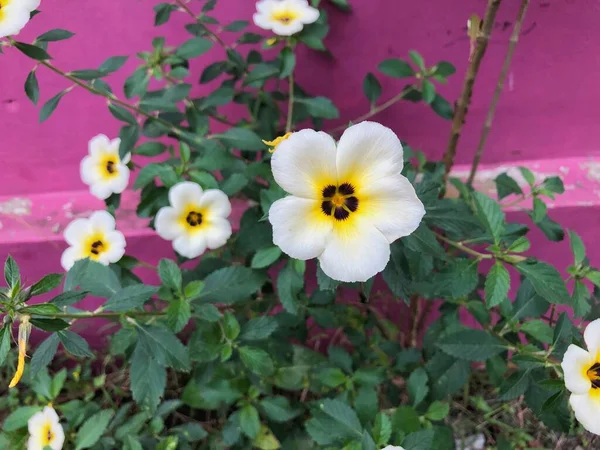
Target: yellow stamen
275, 142
24, 330
271, 42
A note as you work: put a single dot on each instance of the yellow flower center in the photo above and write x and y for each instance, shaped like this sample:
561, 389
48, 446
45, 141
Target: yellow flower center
339, 201
285, 16
95, 245
275, 142
47, 434
108, 166
192, 218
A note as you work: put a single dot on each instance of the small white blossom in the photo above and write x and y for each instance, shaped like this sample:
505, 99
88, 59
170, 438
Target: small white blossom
196, 219
284, 17
45, 430
14, 15
103, 170
94, 238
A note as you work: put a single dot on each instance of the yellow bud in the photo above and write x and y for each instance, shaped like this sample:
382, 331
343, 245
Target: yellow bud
271, 41
275, 142
24, 331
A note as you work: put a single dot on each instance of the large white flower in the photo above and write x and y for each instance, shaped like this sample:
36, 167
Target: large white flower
348, 204
196, 219
14, 15
45, 430
392, 447
102, 169
94, 238
284, 17
582, 378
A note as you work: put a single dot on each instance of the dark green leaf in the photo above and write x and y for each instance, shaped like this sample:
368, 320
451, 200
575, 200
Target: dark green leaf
497, 285
55, 35
68, 298
472, 345
32, 87
249, 421
442, 108
130, 297
92, 429
319, 107
417, 386
231, 285
577, 247
46, 284
193, 48
5, 339
12, 275
506, 185
265, 257
444, 68
256, 360
75, 344
148, 378
165, 346
43, 354
428, 91
546, 281
49, 324
371, 87
43, 309
490, 214
288, 62
396, 68
113, 64
129, 135
32, 51
95, 278
49, 107
170, 274
528, 175
121, 113
242, 138
258, 328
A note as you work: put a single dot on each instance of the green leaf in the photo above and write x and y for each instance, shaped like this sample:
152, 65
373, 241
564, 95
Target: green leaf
289, 285
437, 411
577, 247
242, 138
5, 339
151, 171
46, 284
49, 324
44, 309
490, 215
256, 360
92, 429
265, 257
471, 345
68, 298
417, 59
164, 345
382, 429
43, 354
170, 274
539, 210
95, 278
150, 149
444, 68
129, 135
237, 25
288, 62
49, 107
396, 68
405, 419
506, 185
539, 330
249, 421
12, 276
193, 48
32, 87
113, 64
19, 417
130, 297
417, 386
258, 328
342, 4
32, 51
122, 114
231, 327
514, 386
178, 314
163, 13
594, 277
208, 312
520, 245
325, 283
372, 88
231, 285
148, 378
331, 377
442, 108
546, 281
497, 285
74, 344
528, 176
428, 91
278, 409
343, 416
57, 34
554, 184
581, 299
319, 107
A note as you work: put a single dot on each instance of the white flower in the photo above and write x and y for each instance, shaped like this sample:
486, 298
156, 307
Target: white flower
14, 15
45, 430
94, 238
284, 17
391, 447
582, 378
348, 204
102, 169
196, 219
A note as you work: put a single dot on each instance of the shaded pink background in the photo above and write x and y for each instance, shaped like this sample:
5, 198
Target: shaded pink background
548, 110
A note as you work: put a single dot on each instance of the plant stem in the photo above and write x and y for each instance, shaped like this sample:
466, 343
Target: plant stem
463, 248
290, 112
464, 100
375, 110
215, 37
95, 315
514, 38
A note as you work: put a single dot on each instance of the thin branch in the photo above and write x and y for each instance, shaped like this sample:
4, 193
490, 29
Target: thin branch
375, 110
290, 111
464, 100
214, 36
514, 38
463, 248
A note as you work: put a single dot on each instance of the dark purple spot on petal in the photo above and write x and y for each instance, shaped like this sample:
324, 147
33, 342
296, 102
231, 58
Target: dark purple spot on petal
346, 189
352, 203
329, 191
326, 207
341, 214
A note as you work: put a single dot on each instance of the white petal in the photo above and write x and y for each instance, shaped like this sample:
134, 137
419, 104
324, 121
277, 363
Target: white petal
300, 229
587, 410
116, 239
190, 246
59, 437
126, 158
167, 223
119, 183
36, 422
263, 21
113, 146
101, 190
575, 363
185, 193
392, 447
77, 231
366, 153
116, 249
98, 145
216, 203
14, 18
309, 15
30, 5
392, 205
355, 251
102, 221
217, 232
87, 170
304, 163
265, 6
51, 415
293, 27
591, 335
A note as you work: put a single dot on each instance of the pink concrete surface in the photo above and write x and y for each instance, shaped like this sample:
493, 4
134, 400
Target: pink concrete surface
546, 118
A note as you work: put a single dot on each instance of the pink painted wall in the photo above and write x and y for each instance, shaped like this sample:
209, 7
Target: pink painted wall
548, 109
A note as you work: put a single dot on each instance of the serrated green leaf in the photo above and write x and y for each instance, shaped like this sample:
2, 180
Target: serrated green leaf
46, 284
417, 386
546, 281
256, 360
506, 185
249, 421
497, 285
148, 378
74, 344
242, 138
258, 328
472, 345
319, 107
5, 339
170, 274
490, 214
577, 247
130, 297
92, 429
43, 354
